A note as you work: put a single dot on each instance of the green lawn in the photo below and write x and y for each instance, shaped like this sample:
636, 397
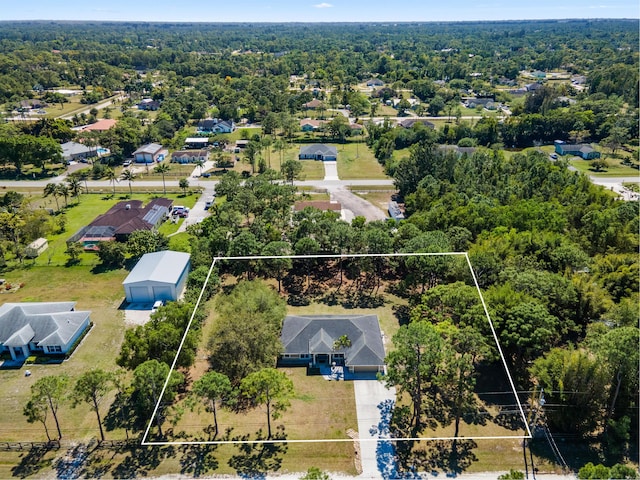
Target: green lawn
356, 161
101, 294
614, 168
80, 214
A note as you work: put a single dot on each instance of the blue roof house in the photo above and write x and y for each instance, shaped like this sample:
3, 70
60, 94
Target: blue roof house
157, 276
584, 151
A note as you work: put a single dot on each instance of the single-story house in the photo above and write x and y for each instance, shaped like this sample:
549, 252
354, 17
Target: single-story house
33, 104
215, 125
157, 276
410, 122
148, 104
352, 341
311, 125
47, 327
375, 82
189, 156
313, 104
121, 220
149, 153
196, 142
458, 150
318, 151
75, 150
35, 248
584, 151
100, 126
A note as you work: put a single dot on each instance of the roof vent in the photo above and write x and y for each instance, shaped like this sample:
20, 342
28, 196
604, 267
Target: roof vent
128, 206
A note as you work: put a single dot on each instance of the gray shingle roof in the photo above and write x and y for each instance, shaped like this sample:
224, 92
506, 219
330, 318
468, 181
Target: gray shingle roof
151, 148
317, 334
319, 149
46, 323
163, 267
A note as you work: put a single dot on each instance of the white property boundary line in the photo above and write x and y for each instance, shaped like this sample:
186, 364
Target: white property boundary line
355, 255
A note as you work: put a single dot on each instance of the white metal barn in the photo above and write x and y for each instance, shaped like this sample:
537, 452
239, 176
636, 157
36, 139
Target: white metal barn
157, 276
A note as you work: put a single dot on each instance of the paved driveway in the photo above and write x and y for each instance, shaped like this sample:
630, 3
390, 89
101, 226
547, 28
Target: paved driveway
374, 404
331, 170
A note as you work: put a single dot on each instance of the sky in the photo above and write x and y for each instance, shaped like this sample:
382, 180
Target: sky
315, 10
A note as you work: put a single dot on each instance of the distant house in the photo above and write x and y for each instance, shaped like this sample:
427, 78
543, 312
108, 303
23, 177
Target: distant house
152, 152
49, 328
587, 152
148, 104
486, 102
32, 104
196, 142
318, 151
35, 248
375, 82
99, 126
532, 87
121, 220
311, 341
410, 122
313, 104
74, 151
189, 156
458, 150
157, 276
311, 125
210, 126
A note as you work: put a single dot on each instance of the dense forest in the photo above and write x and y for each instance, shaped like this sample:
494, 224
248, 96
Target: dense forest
556, 257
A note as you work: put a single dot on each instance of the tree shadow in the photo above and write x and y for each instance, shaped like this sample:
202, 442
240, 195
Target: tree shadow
141, 460
33, 461
197, 460
255, 460
441, 456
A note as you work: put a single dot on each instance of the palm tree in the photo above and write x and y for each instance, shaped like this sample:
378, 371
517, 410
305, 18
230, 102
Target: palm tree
112, 177
83, 175
200, 164
129, 176
74, 187
63, 191
183, 184
51, 190
162, 169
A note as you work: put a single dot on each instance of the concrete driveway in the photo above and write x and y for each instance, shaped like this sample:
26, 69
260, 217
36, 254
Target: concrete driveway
374, 404
331, 170
355, 205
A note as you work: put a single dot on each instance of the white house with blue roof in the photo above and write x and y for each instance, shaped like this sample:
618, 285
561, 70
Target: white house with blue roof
157, 276
40, 327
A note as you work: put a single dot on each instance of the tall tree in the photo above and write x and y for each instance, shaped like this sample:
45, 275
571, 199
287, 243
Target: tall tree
91, 387
271, 388
247, 334
212, 388
129, 176
162, 169
51, 390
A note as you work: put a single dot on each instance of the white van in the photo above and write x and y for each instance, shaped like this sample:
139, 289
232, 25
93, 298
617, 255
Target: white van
208, 202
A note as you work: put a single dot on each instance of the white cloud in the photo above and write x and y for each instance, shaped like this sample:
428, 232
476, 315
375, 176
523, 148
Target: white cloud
323, 5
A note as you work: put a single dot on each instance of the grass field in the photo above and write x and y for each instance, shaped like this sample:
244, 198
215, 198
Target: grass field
356, 161
80, 214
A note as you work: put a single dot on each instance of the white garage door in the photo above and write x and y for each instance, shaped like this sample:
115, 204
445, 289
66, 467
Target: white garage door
140, 295
162, 293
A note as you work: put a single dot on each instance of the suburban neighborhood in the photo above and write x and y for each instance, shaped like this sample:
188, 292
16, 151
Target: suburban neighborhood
390, 251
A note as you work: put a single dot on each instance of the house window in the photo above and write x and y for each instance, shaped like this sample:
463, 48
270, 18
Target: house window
305, 355
54, 349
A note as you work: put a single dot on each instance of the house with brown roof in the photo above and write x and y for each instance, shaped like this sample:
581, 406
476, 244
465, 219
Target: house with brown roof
313, 104
100, 126
311, 125
121, 220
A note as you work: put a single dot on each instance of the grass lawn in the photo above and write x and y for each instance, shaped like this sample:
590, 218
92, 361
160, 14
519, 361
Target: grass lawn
101, 294
356, 161
80, 214
614, 168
